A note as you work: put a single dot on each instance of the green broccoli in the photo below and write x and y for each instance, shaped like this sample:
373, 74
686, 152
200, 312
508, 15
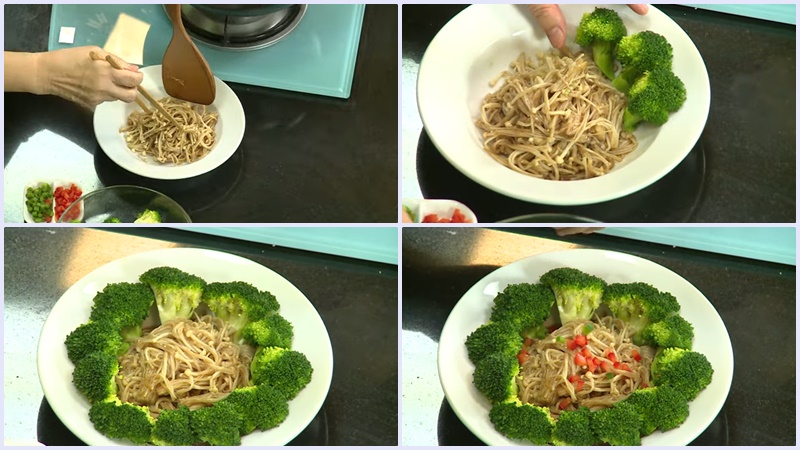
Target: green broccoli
639, 304
288, 371
652, 97
218, 424
601, 30
578, 294
662, 408
260, 407
94, 337
491, 338
517, 420
125, 305
272, 331
495, 377
112, 220
674, 331
617, 425
177, 293
524, 305
640, 53
94, 374
119, 420
573, 429
239, 303
148, 216
686, 371
172, 428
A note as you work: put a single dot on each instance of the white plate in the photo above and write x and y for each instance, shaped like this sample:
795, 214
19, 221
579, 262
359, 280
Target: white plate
109, 117
73, 308
443, 208
481, 41
26, 215
474, 309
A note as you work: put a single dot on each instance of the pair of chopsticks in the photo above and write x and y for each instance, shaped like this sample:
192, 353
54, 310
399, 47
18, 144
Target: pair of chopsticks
141, 90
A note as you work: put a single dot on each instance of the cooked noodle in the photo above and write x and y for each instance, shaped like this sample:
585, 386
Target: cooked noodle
183, 362
152, 135
559, 119
543, 379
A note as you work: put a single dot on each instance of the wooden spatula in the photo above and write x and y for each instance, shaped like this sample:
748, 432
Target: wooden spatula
185, 72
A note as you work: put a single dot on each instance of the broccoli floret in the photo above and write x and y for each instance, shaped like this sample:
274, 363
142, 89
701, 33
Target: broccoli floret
495, 377
148, 216
491, 338
660, 408
517, 420
94, 374
239, 303
640, 53
524, 305
119, 420
601, 30
686, 371
288, 371
218, 424
112, 220
260, 407
93, 337
573, 429
172, 428
674, 331
639, 304
617, 425
652, 97
177, 293
272, 331
125, 305
578, 294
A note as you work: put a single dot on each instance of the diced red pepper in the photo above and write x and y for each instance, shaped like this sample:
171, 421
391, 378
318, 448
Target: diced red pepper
612, 357
523, 356
636, 356
644, 385
605, 366
573, 378
624, 367
528, 342
564, 403
590, 364
586, 352
571, 344
581, 340
579, 359
579, 385
617, 364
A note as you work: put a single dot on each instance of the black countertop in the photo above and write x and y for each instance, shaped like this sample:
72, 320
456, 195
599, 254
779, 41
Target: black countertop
756, 301
743, 168
357, 301
304, 158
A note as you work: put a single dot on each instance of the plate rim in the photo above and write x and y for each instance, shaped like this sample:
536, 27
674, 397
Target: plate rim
236, 123
495, 438
522, 187
89, 435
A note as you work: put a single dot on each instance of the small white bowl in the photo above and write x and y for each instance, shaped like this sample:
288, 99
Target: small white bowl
54, 184
443, 208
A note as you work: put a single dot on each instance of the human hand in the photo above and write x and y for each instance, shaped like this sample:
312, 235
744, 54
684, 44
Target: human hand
72, 74
552, 21
569, 231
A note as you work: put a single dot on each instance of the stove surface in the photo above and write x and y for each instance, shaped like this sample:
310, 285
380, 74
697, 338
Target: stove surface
316, 57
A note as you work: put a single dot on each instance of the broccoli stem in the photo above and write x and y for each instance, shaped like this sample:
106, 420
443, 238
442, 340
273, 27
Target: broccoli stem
603, 53
625, 79
630, 121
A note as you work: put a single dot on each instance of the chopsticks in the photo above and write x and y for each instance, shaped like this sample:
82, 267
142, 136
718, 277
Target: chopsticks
141, 90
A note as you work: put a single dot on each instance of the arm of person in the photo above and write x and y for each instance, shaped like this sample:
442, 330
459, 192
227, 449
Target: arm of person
22, 72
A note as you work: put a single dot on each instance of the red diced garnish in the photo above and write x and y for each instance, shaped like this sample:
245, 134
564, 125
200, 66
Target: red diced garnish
458, 217
581, 340
612, 357
523, 356
624, 367
579, 385
636, 356
573, 378
552, 328
590, 364
564, 403
605, 366
616, 364
528, 342
579, 359
586, 352
571, 344
644, 385
430, 218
